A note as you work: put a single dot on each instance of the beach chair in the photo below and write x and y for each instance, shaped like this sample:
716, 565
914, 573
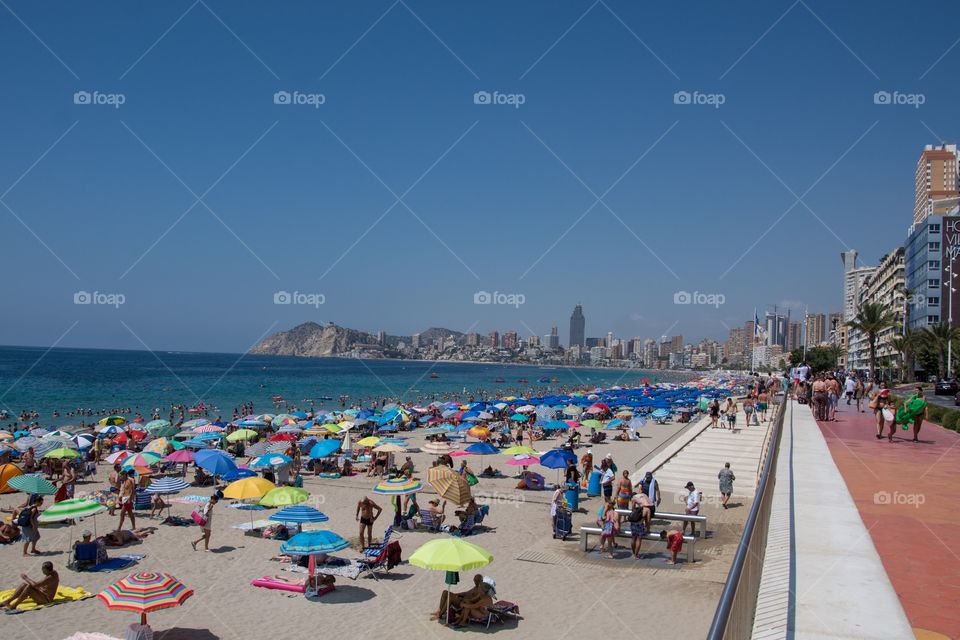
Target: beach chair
381, 561
482, 513
466, 527
427, 521
374, 550
84, 556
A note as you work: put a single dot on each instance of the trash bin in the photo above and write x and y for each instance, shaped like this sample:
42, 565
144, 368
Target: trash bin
572, 496
593, 486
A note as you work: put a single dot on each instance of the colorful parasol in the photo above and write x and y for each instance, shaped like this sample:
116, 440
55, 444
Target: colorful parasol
145, 592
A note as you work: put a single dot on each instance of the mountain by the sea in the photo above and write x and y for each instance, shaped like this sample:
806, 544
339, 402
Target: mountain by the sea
313, 340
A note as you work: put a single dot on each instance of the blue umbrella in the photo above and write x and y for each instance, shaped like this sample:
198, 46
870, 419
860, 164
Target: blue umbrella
324, 448
299, 514
482, 448
193, 443
270, 460
556, 425
519, 417
214, 461
388, 427
557, 459
313, 542
239, 474
168, 485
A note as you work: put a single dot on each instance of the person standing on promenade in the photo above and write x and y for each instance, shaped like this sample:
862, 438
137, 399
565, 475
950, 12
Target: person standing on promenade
587, 462
849, 387
858, 394
624, 491
833, 397
819, 399
730, 413
651, 487
714, 413
693, 507
877, 403
606, 480
763, 403
726, 479
920, 417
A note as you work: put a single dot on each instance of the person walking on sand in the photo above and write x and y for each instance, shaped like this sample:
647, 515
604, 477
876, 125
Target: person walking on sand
365, 516
26, 519
587, 462
726, 478
206, 513
127, 498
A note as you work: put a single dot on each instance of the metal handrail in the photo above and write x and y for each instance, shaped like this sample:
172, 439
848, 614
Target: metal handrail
719, 628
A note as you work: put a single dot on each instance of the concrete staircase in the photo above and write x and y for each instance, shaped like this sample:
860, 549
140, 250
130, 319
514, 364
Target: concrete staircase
701, 460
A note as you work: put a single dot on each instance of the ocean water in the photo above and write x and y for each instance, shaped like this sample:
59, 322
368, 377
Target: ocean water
35, 379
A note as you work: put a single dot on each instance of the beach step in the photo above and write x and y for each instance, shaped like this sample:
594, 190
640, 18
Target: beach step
701, 460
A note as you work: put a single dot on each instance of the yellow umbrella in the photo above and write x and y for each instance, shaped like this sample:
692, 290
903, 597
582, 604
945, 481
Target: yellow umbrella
450, 555
241, 434
369, 441
517, 450
158, 446
248, 488
449, 484
284, 497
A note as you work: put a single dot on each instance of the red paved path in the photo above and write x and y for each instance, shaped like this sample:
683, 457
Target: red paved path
917, 542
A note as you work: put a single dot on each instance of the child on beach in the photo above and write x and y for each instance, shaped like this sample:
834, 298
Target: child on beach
674, 540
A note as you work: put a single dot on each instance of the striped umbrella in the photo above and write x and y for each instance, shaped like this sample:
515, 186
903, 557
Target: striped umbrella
167, 486
59, 433
84, 440
32, 484
437, 448
299, 514
145, 459
193, 424
208, 428
145, 592
110, 430
449, 484
118, 457
27, 442
72, 509
114, 421
398, 487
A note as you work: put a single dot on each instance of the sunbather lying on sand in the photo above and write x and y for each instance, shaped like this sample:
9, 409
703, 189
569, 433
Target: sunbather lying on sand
125, 536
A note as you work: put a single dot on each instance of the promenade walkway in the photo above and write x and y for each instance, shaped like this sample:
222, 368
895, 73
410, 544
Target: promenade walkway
903, 491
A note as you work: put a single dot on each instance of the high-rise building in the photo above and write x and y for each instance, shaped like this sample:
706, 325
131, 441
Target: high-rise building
533, 341
794, 335
553, 342
676, 344
578, 327
382, 338
884, 287
472, 339
853, 279
834, 324
816, 329
415, 341
590, 343
936, 178
510, 340
609, 340
929, 257
493, 339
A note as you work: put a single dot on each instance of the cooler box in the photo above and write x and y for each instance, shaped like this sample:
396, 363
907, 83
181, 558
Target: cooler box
572, 496
593, 486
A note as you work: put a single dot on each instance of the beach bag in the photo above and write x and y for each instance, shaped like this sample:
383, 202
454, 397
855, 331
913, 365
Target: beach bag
636, 515
199, 519
874, 403
472, 479
23, 518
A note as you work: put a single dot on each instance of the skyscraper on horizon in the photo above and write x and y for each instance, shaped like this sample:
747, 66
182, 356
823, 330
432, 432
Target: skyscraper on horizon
936, 179
578, 325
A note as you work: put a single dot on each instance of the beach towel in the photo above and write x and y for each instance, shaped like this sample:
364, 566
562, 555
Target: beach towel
64, 594
351, 570
118, 563
269, 582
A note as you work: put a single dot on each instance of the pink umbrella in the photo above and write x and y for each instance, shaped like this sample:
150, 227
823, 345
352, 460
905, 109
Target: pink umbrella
523, 461
208, 428
573, 424
181, 455
457, 454
595, 409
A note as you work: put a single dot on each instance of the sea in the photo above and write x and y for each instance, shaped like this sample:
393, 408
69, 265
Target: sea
102, 380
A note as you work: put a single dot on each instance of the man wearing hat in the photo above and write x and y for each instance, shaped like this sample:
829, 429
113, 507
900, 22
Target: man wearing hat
693, 507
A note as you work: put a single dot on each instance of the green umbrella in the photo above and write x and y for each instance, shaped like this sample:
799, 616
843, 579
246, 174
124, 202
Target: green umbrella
72, 509
32, 484
62, 452
284, 497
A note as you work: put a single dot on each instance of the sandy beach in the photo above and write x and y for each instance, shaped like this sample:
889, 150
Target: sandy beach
562, 592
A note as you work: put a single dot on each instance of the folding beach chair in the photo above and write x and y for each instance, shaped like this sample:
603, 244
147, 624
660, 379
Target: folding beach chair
374, 550
84, 556
427, 522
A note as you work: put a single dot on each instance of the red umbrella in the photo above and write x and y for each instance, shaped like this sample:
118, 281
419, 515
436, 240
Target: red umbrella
283, 437
121, 438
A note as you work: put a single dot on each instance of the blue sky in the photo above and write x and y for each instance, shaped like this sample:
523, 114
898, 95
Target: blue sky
398, 198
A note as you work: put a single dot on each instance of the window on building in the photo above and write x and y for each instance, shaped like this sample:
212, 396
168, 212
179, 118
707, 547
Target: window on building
933, 301
933, 319
933, 264
934, 228
934, 246
933, 283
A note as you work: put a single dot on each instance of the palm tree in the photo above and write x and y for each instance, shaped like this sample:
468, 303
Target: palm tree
938, 338
907, 345
871, 319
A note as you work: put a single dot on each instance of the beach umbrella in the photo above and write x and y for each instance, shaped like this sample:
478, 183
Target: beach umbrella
58, 442
299, 514
6, 435
324, 448
449, 484
637, 422
522, 460
258, 449
193, 424
311, 544
591, 424
59, 433
517, 450
158, 446
114, 421
140, 460
481, 449
556, 425
155, 424
10, 472
73, 509
84, 440
145, 592
398, 487
390, 448
557, 458
166, 486
270, 460
346, 446
214, 461
180, 455
452, 555
238, 474
478, 432
118, 456
39, 432
436, 448
572, 410
248, 488
32, 484
208, 428
137, 436
284, 496
27, 442
62, 452
369, 441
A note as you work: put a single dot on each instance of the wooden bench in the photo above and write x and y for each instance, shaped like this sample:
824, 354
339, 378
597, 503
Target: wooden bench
674, 517
689, 542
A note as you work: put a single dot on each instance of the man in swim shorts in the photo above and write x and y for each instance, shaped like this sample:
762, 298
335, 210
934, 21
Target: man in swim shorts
365, 516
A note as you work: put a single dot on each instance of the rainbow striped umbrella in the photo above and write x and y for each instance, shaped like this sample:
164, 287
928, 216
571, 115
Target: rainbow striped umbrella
145, 592
144, 459
398, 487
72, 509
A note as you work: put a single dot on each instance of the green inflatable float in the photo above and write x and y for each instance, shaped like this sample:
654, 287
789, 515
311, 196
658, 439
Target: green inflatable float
910, 410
